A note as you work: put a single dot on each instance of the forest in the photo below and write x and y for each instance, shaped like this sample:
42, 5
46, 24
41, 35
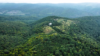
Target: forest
32, 36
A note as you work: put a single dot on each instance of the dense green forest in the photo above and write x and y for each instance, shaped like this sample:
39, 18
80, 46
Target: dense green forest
31, 36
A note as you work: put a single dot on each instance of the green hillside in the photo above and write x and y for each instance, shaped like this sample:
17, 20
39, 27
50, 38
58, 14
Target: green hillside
64, 37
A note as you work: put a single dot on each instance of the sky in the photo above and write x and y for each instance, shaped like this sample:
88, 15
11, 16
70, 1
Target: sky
49, 1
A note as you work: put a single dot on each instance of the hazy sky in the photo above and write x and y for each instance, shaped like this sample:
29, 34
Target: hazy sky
48, 1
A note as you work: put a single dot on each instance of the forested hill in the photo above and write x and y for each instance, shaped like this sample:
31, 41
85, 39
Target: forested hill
51, 36
83, 25
84, 30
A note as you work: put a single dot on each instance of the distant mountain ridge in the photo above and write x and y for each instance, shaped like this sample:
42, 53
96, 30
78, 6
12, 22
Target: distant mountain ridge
44, 10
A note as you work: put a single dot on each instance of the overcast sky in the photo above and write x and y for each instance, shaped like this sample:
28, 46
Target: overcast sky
48, 1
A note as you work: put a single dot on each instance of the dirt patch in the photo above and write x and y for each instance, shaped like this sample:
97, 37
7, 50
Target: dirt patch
48, 29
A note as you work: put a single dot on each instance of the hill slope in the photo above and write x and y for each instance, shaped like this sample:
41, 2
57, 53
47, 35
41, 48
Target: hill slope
77, 33
87, 24
71, 37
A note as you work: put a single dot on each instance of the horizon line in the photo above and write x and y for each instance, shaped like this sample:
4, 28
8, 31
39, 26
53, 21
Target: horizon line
48, 3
